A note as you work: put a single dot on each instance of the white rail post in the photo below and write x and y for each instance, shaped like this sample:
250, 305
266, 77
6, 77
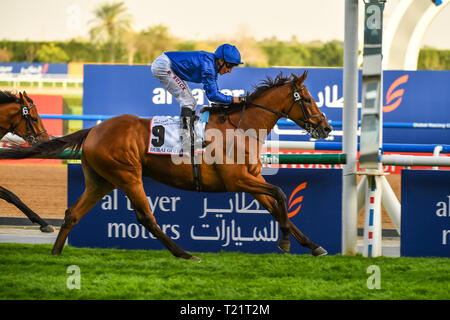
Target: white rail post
436, 152
372, 125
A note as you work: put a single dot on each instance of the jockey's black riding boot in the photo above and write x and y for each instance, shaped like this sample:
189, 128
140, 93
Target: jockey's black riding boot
187, 116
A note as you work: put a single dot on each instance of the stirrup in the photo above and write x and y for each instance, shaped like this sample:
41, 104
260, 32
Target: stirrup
187, 132
185, 137
187, 112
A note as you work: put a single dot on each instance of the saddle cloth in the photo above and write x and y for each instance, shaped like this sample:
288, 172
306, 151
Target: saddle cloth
165, 136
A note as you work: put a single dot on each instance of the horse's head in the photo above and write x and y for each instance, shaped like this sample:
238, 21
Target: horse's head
304, 110
29, 126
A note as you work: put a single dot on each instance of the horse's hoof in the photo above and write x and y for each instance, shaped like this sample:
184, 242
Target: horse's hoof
48, 229
188, 256
284, 245
56, 251
196, 259
319, 251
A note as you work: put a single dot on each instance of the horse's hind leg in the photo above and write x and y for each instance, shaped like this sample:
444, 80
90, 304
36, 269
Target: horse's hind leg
135, 192
96, 189
270, 204
126, 175
7, 195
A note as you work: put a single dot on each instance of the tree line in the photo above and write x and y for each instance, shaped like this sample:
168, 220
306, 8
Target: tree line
112, 39
261, 54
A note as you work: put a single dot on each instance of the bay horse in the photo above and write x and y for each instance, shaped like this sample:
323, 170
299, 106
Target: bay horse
18, 115
114, 155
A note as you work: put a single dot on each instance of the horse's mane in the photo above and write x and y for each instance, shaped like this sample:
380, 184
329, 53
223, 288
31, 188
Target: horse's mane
7, 97
259, 89
269, 83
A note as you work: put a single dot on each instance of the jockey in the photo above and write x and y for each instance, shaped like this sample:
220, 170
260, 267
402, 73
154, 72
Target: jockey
174, 68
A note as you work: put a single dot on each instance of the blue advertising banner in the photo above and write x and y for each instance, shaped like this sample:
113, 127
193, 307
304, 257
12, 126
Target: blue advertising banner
213, 222
409, 96
33, 68
425, 213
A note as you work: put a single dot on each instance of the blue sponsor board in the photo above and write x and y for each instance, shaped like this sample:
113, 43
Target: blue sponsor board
425, 213
33, 68
408, 96
213, 222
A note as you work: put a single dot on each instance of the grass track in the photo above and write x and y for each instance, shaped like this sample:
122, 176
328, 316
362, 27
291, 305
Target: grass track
30, 272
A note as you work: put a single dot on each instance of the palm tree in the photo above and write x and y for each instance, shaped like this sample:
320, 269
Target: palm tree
110, 23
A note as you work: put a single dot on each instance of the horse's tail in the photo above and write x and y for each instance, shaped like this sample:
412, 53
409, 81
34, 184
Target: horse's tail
48, 149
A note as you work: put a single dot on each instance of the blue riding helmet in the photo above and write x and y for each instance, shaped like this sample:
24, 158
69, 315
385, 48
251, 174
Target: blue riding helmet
228, 53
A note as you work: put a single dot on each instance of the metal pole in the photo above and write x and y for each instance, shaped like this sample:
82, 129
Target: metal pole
350, 123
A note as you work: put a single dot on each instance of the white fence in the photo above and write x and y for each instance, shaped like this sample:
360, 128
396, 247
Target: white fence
15, 80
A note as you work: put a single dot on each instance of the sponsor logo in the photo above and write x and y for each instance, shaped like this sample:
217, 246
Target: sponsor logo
6, 69
134, 230
295, 201
394, 96
34, 69
179, 82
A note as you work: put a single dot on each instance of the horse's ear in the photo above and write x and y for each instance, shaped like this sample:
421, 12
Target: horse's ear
27, 97
294, 76
303, 76
21, 96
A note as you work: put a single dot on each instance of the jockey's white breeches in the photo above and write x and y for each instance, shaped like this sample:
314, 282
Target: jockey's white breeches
177, 87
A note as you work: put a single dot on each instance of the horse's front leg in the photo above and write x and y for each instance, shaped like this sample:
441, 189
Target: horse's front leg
251, 184
135, 192
9, 196
270, 205
273, 207
284, 243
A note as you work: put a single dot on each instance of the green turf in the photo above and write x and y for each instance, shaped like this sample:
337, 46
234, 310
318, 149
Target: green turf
30, 272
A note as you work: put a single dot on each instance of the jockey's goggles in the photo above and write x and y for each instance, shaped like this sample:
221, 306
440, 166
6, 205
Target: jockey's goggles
230, 65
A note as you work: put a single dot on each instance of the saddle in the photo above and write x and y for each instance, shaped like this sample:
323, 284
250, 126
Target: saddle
223, 109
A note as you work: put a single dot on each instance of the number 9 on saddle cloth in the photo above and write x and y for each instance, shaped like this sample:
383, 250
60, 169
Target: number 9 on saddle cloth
165, 138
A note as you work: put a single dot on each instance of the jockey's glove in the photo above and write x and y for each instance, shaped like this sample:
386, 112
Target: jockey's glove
242, 99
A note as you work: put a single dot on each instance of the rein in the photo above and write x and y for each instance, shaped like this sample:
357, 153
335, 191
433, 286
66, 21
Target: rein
306, 124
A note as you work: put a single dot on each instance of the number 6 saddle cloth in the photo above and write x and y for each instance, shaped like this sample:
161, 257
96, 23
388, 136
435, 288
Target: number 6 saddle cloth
165, 138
